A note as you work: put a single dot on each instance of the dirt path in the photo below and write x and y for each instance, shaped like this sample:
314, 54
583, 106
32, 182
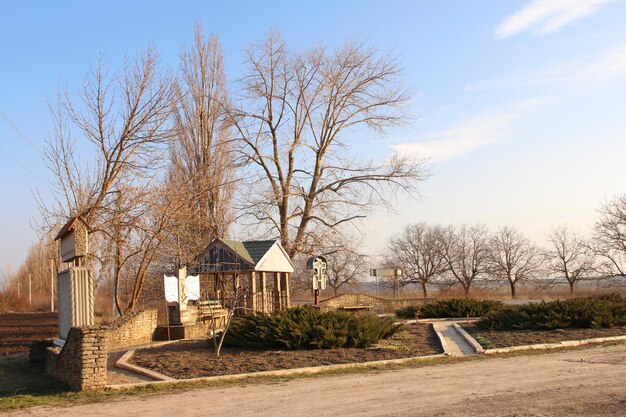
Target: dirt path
589, 382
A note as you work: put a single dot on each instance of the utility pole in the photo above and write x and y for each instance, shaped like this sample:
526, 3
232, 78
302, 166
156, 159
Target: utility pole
51, 285
19, 296
30, 290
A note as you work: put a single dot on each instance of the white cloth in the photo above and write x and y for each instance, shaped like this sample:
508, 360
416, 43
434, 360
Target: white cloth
192, 287
170, 284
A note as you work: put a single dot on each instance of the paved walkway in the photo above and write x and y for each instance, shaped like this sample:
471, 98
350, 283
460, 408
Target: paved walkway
455, 343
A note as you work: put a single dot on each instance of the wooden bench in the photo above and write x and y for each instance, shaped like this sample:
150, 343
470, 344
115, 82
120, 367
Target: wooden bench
356, 308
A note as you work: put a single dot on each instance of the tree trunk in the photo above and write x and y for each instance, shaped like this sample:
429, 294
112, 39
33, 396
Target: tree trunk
424, 292
466, 291
571, 288
513, 295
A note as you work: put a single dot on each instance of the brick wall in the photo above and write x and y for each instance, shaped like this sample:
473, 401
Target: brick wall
379, 305
132, 329
83, 360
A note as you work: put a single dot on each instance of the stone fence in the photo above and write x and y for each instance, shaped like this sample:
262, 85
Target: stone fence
135, 328
82, 362
377, 304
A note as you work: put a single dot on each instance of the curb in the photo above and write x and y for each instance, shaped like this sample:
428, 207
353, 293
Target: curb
468, 338
443, 341
123, 364
282, 372
546, 346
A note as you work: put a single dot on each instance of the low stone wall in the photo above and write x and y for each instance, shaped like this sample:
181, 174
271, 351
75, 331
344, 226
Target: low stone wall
82, 363
135, 328
379, 305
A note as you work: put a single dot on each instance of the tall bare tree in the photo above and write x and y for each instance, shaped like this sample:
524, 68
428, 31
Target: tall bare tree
292, 120
513, 258
609, 239
416, 251
202, 156
568, 255
123, 122
465, 250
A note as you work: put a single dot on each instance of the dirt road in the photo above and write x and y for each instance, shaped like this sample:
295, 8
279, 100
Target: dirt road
590, 382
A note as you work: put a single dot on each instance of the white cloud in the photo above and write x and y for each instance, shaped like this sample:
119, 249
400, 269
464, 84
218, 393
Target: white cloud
589, 70
469, 134
546, 16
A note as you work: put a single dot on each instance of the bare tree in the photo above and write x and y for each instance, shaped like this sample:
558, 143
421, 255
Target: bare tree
569, 256
609, 239
512, 257
345, 268
465, 250
416, 251
123, 121
202, 157
291, 121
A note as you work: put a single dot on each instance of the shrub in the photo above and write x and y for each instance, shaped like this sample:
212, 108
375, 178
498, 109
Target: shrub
589, 312
306, 327
455, 307
409, 312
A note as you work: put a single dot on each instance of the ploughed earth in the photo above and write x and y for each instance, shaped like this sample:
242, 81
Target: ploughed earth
191, 359
19, 330
500, 339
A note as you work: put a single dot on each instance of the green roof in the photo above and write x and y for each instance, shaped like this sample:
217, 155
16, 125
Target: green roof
239, 249
258, 248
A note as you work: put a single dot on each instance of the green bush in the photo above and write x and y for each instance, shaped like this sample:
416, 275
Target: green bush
409, 312
589, 312
306, 327
455, 307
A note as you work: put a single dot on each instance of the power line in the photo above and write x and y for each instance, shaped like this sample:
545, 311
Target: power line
22, 165
21, 134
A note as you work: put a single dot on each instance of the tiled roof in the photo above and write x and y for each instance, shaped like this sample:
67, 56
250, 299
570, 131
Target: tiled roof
258, 248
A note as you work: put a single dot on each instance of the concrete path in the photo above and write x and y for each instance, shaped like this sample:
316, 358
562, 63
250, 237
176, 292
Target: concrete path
455, 344
116, 375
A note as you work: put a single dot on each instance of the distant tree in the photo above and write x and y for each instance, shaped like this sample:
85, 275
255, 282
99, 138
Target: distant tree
292, 121
609, 239
345, 268
513, 258
416, 251
465, 250
569, 256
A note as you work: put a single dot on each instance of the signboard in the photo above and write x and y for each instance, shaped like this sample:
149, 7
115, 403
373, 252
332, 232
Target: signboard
386, 272
318, 264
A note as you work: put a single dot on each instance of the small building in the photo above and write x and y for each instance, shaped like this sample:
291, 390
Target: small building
260, 270
74, 240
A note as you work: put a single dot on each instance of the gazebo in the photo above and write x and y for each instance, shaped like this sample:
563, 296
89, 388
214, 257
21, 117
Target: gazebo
257, 270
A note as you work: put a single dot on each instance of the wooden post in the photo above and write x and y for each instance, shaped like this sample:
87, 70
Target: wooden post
253, 304
287, 296
277, 287
263, 293
19, 296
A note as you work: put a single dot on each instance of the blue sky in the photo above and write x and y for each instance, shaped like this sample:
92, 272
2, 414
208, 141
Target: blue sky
521, 105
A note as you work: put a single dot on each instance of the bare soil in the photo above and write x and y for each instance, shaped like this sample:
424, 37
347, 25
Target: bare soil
191, 359
499, 339
19, 330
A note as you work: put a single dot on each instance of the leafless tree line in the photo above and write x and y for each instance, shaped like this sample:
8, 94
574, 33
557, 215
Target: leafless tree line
460, 255
161, 161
